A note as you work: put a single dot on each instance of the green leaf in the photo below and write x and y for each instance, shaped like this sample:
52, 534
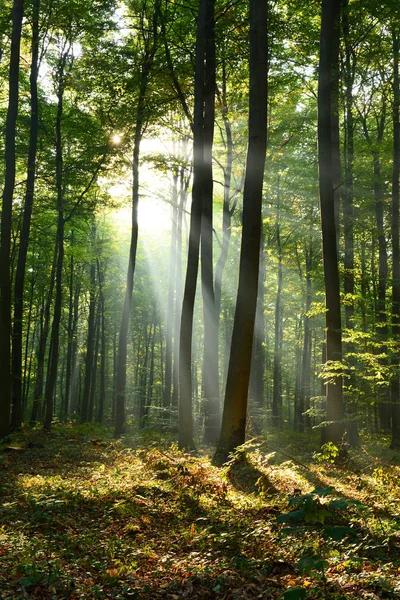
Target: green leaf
339, 504
294, 515
338, 532
295, 593
311, 562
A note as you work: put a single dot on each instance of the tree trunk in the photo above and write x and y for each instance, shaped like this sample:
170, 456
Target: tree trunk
210, 350
90, 345
395, 383
189, 294
146, 68
16, 417
55, 330
333, 432
277, 387
235, 406
6, 221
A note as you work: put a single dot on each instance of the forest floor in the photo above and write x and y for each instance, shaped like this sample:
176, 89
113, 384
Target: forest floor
83, 516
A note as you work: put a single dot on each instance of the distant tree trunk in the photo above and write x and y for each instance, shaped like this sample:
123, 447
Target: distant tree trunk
395, 383
17, 404
380, 304
55, 330
333, 432
146, 67
258, 357
189, 294
41, 352
90, 345
102, 391
305, 377
6, 221
93, 383
277, 387
235, 407
70, 332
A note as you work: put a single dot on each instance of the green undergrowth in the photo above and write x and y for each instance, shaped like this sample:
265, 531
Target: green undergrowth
83, 516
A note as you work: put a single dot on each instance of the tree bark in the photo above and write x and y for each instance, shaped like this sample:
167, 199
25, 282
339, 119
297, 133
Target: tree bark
6, 220
395, 383
327, 83
19, 285
235, 406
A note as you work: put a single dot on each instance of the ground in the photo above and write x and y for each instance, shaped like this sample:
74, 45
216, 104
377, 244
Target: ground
83, 516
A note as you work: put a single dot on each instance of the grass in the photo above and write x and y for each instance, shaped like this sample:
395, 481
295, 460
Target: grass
83, 516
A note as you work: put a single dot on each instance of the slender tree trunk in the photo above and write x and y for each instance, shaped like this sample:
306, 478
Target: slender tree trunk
395, 383
186, 332
90, 345
305, 391
16, 417
210, 351
102, 391
333, 432
235, 407
6, 221
277, 387
170, 302
146, 68
178, 288
41, 352
55, 330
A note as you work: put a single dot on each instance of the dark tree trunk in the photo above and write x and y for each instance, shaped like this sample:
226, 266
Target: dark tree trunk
16, 417
395, 383
333, 432
6, 221
189, 294
233, 428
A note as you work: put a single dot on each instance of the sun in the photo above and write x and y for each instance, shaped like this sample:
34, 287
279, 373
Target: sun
116, 138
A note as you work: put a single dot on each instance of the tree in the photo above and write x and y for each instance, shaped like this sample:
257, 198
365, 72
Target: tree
6, 219
327, 83
150, 41
235, 405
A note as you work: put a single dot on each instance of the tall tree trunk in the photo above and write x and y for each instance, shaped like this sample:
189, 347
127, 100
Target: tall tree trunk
102, 391
6, 221
140, 123
395, 383
55, 330
189, 294
235, 406
328, 68
305, 376
169, 345
348, 218
41, 352
90, 345
277, 386
210, 350
16, 417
